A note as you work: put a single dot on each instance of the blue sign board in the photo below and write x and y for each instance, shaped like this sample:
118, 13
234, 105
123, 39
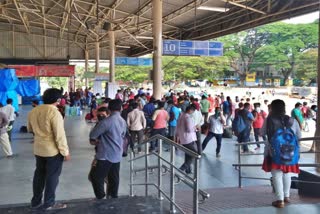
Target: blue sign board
192, 48
133, 61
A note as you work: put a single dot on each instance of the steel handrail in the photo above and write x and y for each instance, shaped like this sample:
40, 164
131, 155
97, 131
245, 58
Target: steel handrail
239, 165
194, 182
170, 142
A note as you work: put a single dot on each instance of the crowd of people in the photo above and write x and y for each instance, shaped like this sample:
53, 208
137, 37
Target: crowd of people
134, 117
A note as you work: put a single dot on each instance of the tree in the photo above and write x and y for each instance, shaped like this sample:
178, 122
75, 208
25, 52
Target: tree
307, 66
241, 49
286, 43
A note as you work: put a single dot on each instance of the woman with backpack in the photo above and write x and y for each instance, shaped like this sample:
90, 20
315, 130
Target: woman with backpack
281, 150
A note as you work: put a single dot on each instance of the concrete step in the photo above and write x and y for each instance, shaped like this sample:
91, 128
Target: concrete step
121, 205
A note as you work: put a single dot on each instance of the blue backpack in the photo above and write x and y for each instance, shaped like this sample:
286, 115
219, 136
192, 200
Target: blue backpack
238, 124
284, 146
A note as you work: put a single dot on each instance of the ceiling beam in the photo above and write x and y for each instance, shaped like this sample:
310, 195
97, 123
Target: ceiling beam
244, 6
21, 16
66, 14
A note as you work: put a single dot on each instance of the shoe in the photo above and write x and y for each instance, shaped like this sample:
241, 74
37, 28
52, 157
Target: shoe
218, 155
10, 156
57, 206
188, 171
278, 204
257, 148
286, 200
35, 207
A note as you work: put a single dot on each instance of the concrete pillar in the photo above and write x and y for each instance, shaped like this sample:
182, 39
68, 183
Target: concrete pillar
86, 64
157, 47
317, 142
112, 56
97, 56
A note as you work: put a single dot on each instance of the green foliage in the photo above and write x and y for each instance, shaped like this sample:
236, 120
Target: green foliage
135, 74
307, 65
56, 82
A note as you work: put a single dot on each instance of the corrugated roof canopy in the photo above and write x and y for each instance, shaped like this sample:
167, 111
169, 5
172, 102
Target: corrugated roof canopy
55, 29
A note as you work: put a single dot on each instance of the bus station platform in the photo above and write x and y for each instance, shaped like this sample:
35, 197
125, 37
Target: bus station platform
217, 177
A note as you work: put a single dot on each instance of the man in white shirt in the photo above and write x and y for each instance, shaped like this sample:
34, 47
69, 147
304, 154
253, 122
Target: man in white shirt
198, 120
9, 111
136, 123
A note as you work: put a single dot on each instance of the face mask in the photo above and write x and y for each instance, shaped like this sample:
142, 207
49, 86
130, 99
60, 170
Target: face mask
258, 109
101, 117
156, 106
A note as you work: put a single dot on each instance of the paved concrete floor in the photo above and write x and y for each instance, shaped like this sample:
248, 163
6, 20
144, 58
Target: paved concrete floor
16, 174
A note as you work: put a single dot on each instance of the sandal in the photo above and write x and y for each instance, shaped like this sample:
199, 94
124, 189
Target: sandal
278, 204
57, 206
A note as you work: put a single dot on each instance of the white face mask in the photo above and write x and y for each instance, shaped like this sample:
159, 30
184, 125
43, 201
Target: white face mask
258, 109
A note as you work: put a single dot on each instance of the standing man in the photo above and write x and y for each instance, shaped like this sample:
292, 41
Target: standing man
244, 136
160, 119
4, 139
108, 137
9, 111
50, 149
198, 122
296, 114
205, 105
136, 124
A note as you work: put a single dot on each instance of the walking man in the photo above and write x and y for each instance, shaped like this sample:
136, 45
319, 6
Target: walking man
186, 135
9, 111
50, 149
4, 139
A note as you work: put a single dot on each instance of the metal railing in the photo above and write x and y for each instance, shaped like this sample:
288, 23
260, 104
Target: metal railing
170, 168
239, 165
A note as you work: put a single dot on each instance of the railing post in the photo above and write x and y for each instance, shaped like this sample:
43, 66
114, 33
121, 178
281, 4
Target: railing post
146, 170
239, 162
160, 170
172, 187
131, 174
196, 187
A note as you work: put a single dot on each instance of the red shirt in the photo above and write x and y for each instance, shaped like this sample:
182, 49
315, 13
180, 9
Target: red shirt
260, 117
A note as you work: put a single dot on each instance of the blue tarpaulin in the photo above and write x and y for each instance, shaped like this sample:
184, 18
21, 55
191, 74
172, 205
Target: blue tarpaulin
8, 79
28, 88
4, 95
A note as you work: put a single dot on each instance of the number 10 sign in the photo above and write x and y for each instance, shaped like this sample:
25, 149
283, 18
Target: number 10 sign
191, 48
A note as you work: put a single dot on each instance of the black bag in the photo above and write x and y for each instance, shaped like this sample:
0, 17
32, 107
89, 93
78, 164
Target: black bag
227, 132
23, 129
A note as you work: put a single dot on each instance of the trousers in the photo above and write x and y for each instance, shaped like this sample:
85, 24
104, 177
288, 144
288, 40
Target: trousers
46, 178
105, 169
281, 183
5, 143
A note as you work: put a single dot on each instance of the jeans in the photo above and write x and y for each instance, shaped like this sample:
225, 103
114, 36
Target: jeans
46, 177
139, 135
205, 115
198, 142
256, 135
187, 158
209, 137
244, 137
105, 169
281, 183
154, 132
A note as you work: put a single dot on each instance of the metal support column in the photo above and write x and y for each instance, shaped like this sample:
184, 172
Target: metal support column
196, 187
160, 170
97, 55
131, 174
172, 183
239, 162
86, 64
157, 47
112, 56
146, 170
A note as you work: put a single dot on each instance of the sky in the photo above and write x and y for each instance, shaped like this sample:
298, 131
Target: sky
304, 19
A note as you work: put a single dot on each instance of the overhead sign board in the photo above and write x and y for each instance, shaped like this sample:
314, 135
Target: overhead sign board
133, 61
44, 70
191, 48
